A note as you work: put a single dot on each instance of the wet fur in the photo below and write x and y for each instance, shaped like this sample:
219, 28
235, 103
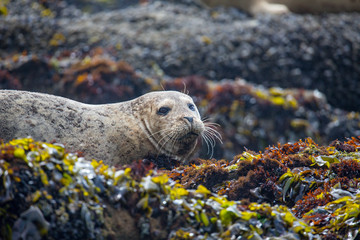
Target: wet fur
116, 133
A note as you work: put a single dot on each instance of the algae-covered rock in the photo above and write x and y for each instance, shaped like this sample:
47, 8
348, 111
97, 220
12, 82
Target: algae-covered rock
48, 193
52, 194
177, 39
319, 183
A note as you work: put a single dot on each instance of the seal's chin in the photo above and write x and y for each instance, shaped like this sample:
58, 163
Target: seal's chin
188, 137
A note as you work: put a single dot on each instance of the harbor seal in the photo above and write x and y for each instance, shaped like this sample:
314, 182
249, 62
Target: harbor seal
163, 123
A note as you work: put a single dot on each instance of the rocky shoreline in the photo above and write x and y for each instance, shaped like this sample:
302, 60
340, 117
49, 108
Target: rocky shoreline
268, 81
165, 39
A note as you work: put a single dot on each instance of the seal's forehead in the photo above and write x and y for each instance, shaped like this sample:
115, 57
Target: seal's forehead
174, 95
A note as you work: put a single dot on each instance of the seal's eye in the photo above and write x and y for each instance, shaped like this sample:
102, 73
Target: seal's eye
191, 106
163, 111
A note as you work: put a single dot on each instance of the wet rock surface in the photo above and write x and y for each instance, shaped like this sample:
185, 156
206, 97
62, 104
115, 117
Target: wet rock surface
180, 39
104, 57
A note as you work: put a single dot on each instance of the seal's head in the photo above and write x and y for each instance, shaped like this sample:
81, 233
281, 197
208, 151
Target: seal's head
171, 122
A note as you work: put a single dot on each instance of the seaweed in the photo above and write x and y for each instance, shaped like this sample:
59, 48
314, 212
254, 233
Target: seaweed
69, 197
301, 175
295, 190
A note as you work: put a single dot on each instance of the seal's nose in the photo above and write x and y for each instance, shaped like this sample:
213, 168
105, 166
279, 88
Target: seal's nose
190, 119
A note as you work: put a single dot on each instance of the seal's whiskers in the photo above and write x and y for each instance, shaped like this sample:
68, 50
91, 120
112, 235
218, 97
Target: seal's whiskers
169, 136
208, 145
173, 141
210, 135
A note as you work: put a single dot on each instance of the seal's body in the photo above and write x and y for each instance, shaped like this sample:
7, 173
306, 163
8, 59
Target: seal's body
158, 123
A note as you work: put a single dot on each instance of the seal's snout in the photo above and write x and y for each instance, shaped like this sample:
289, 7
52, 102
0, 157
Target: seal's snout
190, 119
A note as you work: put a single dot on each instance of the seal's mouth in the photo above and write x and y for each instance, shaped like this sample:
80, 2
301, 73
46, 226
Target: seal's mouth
189, 135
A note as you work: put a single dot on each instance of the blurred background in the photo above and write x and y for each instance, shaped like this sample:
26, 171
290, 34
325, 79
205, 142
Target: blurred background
264, 78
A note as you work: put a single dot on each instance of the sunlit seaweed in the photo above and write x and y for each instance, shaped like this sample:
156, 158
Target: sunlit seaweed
300, 175
77, 199
48, 192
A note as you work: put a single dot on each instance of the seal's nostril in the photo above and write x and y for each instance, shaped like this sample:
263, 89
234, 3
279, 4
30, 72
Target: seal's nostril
190, 119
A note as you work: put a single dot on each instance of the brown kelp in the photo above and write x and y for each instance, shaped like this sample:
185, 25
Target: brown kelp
299, 190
